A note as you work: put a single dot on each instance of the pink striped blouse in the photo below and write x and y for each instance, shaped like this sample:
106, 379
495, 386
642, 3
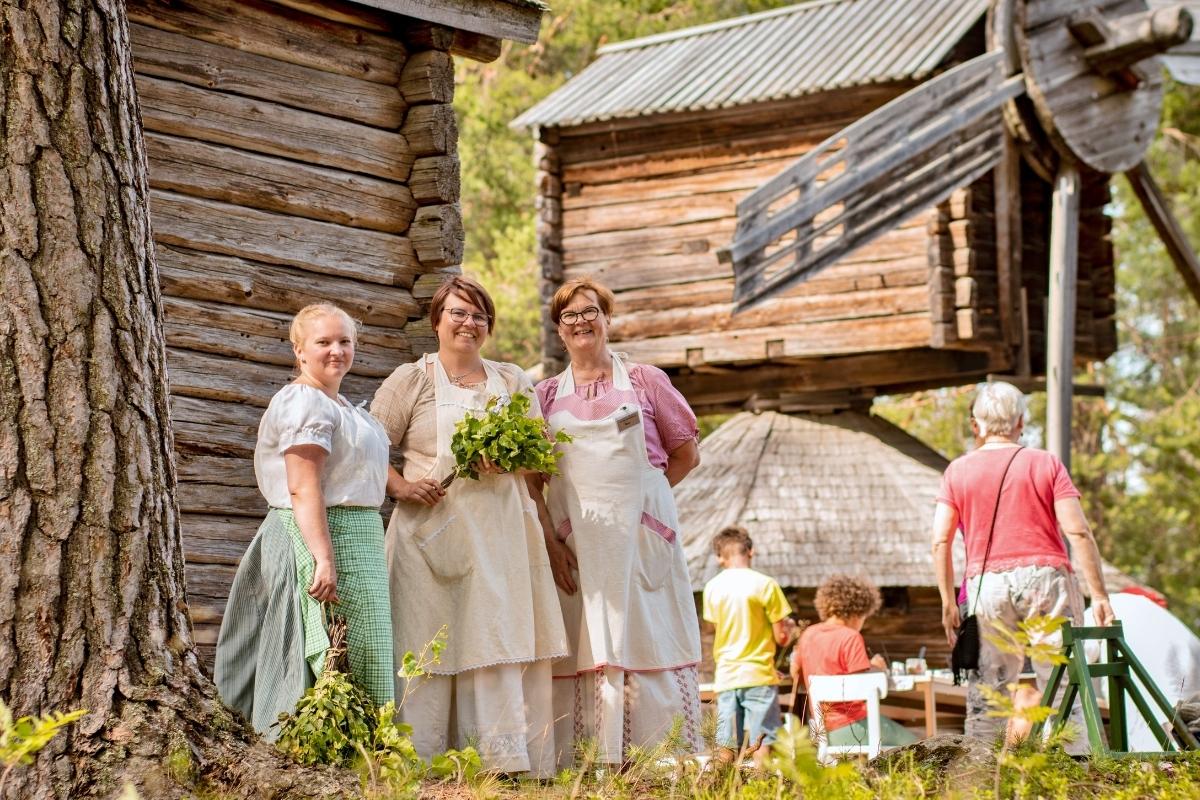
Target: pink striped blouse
669, 421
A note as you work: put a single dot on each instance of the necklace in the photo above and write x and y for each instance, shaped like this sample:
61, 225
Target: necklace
457, 380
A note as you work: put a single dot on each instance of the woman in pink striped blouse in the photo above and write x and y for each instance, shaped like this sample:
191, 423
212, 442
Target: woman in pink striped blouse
619, 565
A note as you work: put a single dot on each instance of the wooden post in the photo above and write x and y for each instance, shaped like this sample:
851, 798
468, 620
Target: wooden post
1060, 350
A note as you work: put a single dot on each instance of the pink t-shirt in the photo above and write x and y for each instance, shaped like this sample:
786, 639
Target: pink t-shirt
1027, 533
669, 421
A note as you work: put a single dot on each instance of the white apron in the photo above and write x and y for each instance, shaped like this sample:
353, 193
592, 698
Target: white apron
476, 563
632, 624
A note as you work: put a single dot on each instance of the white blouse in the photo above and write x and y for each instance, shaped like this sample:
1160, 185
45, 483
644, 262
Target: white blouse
355, 472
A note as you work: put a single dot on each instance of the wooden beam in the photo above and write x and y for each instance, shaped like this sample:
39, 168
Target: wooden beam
519, 20
1169, 230
1060, 349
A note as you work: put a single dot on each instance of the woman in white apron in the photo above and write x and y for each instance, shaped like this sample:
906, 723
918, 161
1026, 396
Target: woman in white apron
629, 613
470, 557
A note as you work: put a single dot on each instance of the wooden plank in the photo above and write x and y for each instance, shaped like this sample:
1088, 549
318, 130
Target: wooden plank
435, 179
311, 245
266, 29
431, 130
355, 14
271, 128
1060, 325
428, 77
163, 54
262, 336
843, 372
273, 184
197, 275
502, 20
654, 167
208, 581
209, 427
208, 377
837, 337
792, 310
217, 498
193, 468
1169, 230
437, 236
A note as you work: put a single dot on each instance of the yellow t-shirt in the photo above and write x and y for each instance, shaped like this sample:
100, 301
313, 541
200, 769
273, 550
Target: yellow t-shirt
743, 605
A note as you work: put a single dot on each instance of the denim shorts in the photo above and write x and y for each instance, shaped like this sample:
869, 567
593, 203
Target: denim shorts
745, 714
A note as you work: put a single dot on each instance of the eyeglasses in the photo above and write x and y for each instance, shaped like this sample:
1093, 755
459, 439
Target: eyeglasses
588, 314
461, 315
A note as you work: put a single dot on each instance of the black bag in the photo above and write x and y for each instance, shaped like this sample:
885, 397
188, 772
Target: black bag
964, 658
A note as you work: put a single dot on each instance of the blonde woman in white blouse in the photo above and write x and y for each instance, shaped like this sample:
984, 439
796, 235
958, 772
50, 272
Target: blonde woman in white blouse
321, 464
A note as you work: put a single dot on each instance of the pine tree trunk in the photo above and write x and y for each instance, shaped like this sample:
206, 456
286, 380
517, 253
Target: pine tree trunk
93, 613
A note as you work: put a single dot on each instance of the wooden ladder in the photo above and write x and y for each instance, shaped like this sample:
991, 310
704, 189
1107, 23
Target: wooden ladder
1120, 668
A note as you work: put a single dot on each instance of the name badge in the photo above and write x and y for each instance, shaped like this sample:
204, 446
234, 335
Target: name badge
628, 420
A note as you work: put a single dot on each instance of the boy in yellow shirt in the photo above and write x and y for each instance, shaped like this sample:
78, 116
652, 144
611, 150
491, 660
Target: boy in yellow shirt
750, 614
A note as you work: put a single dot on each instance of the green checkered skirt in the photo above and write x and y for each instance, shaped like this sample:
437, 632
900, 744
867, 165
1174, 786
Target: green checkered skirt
273, 641
362, 587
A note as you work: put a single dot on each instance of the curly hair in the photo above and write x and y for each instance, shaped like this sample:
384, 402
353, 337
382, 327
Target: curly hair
846, 596
733, 536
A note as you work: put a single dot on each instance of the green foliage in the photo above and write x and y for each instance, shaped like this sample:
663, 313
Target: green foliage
22, 738
1029, 639
508, 437
331, 722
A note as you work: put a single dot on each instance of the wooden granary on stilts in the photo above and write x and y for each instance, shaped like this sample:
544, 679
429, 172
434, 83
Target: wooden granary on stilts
299, 151
806, 207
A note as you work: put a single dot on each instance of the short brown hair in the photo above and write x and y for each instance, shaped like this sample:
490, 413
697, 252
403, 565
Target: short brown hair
846, 596
573, 287
734, 535
468, 289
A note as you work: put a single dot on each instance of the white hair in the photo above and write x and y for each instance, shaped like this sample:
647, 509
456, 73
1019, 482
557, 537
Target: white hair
998, 409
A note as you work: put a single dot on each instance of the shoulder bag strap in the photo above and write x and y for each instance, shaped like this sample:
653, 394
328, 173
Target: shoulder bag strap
995, 512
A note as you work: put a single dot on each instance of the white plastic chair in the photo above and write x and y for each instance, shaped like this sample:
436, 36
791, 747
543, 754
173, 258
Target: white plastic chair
870, 687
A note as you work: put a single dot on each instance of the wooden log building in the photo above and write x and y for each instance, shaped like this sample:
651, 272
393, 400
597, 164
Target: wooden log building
300, 150
644, 155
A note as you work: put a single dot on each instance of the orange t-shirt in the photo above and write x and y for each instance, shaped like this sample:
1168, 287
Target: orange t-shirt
829, 649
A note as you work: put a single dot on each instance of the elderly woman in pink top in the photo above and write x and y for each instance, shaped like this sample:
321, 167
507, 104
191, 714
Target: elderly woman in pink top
618, 562
1018, 567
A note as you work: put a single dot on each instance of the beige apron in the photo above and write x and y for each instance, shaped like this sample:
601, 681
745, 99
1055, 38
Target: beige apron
476, 562
632, 624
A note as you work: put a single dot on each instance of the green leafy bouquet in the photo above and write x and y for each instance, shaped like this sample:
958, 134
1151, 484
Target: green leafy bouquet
508, 436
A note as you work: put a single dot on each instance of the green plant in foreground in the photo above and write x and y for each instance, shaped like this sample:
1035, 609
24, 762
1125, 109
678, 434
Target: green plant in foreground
508, 437
21, 739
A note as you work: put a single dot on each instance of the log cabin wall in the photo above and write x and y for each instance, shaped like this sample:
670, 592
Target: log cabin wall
644, 209
293, 158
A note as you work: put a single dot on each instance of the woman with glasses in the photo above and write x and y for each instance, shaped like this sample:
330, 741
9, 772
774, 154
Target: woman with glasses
618, 562
468, 556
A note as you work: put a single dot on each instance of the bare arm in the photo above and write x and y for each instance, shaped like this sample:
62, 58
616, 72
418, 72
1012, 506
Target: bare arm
784, 630
1075, 525
945, 523
682, 460
562, 559
303, 464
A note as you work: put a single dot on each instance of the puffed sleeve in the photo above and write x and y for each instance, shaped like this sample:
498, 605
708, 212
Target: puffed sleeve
302, 415
545, 394
674, 417
396, 400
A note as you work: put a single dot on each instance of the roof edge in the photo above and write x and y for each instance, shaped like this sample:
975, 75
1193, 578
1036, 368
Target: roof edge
697, 30
517, 20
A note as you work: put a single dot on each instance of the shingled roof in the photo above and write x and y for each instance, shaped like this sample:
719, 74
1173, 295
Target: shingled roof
820, 494
773, 55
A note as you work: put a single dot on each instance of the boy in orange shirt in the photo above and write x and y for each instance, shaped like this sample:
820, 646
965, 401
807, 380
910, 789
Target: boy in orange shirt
835, 646
751, 617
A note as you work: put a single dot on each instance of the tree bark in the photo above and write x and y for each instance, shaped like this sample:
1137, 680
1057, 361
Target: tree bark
93, 613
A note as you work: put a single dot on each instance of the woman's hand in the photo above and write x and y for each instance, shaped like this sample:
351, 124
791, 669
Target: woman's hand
488, 467
950, 622
1103, 612
324, 583
562, 564
426, 492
